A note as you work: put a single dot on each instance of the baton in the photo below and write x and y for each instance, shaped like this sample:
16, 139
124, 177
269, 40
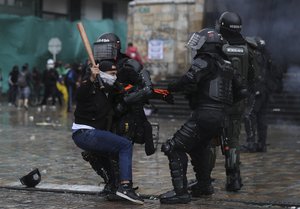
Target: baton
88, 49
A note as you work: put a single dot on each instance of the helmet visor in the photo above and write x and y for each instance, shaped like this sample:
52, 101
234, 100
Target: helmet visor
104, 51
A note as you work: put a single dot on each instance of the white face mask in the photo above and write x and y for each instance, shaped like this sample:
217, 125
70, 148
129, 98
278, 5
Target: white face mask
107, 78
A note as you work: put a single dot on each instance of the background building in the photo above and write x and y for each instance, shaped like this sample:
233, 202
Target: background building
156, 24
67, 9
27, 26
160, 28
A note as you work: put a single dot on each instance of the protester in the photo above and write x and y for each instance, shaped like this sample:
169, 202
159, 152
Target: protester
13, 86
89, 127
50, 77
36, 86
24, 80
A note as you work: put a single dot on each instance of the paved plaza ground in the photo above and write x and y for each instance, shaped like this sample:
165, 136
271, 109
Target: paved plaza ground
41, 138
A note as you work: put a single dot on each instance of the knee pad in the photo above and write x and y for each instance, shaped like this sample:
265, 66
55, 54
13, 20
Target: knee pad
182, 139
168, 147
99, 163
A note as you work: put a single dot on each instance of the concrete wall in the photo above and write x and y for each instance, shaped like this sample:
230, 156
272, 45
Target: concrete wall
59, 6
92, 10
170, 21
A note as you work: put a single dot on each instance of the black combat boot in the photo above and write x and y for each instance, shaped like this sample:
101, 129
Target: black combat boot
172, 198
233, 181
202, 188
179, 195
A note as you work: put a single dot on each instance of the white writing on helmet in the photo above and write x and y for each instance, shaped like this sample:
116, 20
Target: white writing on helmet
235, 26
103, 40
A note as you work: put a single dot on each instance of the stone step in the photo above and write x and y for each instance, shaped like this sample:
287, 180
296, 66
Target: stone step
282, 106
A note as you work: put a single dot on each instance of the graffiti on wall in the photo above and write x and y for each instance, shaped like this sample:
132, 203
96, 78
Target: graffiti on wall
155, 23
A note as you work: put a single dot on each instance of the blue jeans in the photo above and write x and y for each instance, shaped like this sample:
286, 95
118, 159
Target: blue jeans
100, 141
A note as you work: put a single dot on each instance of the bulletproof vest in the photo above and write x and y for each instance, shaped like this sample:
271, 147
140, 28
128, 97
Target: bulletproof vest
238, 55
219, 87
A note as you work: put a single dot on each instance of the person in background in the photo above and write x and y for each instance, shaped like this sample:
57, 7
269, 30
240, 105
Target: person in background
13, 85
61, 70
50, 77
36, 85
133, 53
24, 80
255, 116
72, 81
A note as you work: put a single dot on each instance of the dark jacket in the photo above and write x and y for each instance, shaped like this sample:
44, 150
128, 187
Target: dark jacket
93, 107
50, 77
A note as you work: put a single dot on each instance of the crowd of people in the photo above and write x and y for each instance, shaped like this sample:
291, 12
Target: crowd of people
58, 82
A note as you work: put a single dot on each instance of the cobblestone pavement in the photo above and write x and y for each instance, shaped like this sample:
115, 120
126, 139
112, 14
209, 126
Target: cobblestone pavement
41, 138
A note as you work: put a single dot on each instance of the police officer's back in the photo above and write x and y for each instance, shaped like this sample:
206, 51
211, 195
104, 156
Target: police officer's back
238, 52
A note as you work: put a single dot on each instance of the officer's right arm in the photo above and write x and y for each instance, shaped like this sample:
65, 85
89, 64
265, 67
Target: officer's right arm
193, 76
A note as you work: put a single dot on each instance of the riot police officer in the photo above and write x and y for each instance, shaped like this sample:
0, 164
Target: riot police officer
128, 119
238, 51
240, 54
256, 109
209, 85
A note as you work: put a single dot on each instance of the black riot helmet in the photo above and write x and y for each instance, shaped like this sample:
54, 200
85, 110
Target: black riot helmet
205, 40
107, 46
31, 179
229, 21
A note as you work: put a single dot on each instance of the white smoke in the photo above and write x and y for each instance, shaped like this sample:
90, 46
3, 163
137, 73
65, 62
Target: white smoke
276, 21
292, 79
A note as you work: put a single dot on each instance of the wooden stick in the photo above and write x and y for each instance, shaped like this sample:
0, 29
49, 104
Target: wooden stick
86, 43
88, 49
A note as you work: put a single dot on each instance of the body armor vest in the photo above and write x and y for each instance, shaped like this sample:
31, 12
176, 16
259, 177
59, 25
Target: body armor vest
238, 55
218, 89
